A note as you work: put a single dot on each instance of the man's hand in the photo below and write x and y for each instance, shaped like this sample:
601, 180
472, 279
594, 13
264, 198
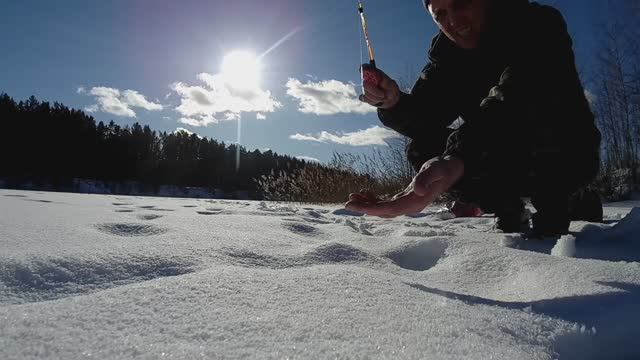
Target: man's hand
384, 95
435, 177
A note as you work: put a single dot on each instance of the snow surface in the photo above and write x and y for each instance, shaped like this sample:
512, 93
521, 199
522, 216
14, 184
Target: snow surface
102, 276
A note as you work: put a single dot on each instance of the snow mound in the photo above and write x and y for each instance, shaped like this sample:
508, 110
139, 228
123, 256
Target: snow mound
617, 243
331, 253
336, 253
40, 279
566, 246
614, 243
630, 224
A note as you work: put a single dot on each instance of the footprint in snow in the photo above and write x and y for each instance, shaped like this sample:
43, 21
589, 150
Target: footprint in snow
316, 221
149, 216
212, 211
301, 229
419, 255
130, 229
124, 210
345, 212
209, 212
309, 220
428, 233
362, 228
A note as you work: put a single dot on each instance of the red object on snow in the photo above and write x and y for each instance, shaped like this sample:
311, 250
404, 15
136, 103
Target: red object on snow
460, 209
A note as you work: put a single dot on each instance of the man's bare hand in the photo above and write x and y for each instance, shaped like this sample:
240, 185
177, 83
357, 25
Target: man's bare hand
436, 176
384, 95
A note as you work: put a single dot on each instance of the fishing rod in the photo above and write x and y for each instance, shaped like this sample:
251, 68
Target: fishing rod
369, 71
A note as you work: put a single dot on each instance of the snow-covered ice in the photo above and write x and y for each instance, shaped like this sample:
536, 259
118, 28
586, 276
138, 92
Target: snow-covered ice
101, 276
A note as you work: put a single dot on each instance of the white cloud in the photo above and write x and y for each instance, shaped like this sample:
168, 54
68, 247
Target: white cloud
180, 129
199, 121
189, 132
307, 158
81, 90
231, 116
327, 97
260, 116
372, 136
109, 101
119, 103
135, 99
217, 100
92, 108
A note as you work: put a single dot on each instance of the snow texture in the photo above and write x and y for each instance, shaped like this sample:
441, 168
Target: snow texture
115, 277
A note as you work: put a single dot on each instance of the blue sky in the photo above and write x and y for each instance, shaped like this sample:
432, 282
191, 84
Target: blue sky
158, 63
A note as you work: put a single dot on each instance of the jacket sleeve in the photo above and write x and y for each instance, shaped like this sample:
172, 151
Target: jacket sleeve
538, 89
427, 106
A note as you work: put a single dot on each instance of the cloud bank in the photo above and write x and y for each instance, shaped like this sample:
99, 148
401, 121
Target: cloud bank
117, 102
328, 97
216, 100
372, 136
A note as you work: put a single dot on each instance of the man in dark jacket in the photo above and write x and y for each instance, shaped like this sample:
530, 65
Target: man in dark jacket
507, 68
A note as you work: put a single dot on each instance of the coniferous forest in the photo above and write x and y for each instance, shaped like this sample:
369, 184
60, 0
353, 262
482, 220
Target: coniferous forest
53, 144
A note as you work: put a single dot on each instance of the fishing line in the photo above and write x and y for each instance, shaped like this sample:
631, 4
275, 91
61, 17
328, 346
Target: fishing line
363, 21
369, 71
360, 36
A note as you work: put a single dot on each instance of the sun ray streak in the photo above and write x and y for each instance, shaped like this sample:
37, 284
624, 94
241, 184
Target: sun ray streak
280, 42
238, 144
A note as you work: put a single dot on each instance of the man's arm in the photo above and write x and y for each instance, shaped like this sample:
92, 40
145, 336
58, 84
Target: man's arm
429, 104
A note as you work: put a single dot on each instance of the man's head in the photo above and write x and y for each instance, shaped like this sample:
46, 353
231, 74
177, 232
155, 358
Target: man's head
462, 21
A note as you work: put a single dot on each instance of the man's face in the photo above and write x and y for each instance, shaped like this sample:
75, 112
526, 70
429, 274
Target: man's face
463, 21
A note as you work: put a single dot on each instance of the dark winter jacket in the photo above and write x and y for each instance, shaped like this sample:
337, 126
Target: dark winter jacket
518, 93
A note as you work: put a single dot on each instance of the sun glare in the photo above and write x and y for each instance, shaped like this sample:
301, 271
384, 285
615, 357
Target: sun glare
241, 70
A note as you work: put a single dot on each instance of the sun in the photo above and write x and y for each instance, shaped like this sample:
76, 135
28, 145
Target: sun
241, 70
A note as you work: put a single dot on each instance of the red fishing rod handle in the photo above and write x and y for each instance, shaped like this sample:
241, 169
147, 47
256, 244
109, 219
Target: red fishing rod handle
371, 75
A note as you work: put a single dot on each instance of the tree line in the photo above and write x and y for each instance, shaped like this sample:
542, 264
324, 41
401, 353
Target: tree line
53, 144
616, 97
